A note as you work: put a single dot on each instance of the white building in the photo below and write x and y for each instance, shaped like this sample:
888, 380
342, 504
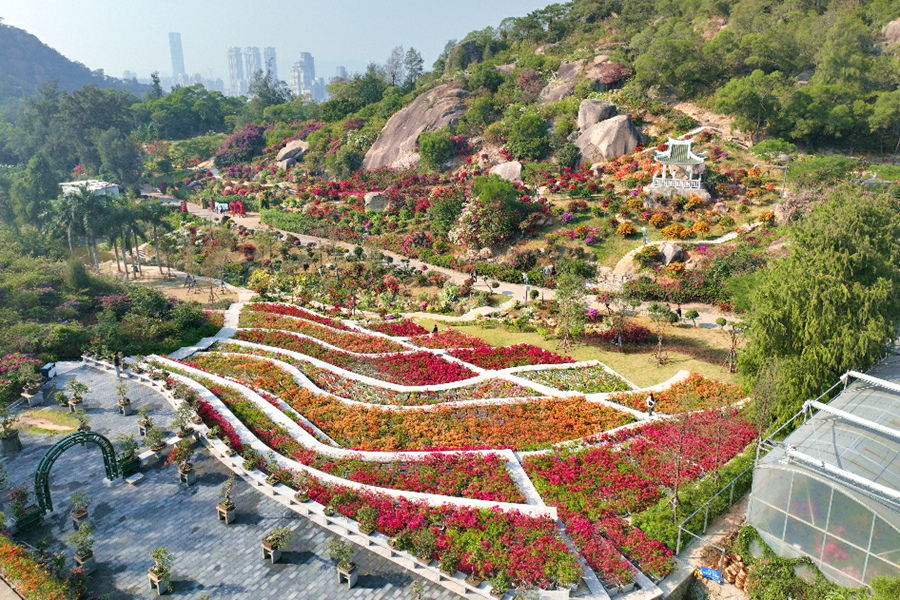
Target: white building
97, 187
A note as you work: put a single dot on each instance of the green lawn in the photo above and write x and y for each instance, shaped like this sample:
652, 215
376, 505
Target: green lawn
639, 368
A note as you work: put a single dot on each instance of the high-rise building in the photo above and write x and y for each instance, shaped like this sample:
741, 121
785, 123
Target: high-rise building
236, 81
271, 64
252, 62
303, 75
177, 54
340, 73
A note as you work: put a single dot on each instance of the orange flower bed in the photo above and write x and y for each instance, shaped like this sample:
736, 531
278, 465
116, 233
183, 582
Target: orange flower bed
29, 578
694, 393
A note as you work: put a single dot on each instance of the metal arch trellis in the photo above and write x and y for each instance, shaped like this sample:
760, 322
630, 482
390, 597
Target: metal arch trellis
42, 476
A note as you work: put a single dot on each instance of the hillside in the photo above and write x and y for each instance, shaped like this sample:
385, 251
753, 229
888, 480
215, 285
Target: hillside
26, 63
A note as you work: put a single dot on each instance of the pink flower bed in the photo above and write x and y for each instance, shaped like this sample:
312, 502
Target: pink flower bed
601, 554
402, 328
352, 342
293, 311
419, 368
519, 355
448, 338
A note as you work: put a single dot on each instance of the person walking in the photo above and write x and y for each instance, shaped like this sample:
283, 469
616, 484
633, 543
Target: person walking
117, 363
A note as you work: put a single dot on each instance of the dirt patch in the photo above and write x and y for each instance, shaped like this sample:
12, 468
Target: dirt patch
28, 421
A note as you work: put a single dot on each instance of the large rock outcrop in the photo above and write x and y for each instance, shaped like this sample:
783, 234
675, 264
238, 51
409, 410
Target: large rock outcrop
600, 72
510, 171
609, 139
892, 32
295, 149
395, 147
591, 112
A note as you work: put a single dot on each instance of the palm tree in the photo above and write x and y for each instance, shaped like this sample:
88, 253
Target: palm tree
131, 225
154, 214
65, 214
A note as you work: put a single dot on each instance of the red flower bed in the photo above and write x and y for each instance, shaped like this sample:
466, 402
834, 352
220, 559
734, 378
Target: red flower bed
402, 328
30, 579
629, 333
361, 343
293, 311
485, 542
601, 554
448, 338
509, 356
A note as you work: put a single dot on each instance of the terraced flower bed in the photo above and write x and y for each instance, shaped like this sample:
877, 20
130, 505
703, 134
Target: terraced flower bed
482, 477
587, 380
520, 355
629, 471
531, 424
399, 328
352, 342
694, 393
419, 368
488, 543
293, 311
448, 338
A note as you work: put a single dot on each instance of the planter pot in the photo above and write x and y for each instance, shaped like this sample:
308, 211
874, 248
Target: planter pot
497, 594
624, 589
11, 444
188, 477
156, 583
348, 576
301, 497
422, 562
31, 517
329, 512
448, 572
225, 514
183, 433
87, 562
79, 517
368, 530
126, 409
474, 581
130, 467
142, 428
34, 398
271, 554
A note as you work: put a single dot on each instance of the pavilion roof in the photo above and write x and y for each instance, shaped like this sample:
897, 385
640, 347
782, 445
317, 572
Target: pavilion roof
679, 152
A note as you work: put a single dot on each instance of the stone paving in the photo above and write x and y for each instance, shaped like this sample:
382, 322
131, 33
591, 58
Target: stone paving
211, 559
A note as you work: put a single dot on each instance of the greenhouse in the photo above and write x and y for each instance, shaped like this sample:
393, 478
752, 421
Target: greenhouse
831, 489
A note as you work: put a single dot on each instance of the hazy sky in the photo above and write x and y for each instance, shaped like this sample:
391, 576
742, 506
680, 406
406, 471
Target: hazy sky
115, 35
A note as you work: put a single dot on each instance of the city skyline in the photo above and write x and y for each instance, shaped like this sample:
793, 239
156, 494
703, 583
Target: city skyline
339, 32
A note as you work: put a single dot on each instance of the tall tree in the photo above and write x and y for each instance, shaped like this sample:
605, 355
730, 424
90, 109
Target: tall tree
396, 67
572, 313
413, 64
156, 91
31, 194
833, 303
120, 157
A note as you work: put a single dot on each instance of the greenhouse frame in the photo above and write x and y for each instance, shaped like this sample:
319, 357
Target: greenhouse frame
830, 490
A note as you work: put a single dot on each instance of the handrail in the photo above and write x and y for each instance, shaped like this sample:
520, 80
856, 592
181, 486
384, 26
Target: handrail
705, 505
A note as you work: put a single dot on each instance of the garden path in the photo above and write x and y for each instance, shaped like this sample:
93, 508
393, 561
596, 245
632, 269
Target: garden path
210, 558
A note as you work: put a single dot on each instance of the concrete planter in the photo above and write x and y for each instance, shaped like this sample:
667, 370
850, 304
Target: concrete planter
226, 514
11, 444
86, 562
79, 518
273, 555
161, 585
348, 575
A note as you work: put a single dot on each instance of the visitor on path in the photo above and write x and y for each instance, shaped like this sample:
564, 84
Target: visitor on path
435, 329
117, 363
651, 404
678, 312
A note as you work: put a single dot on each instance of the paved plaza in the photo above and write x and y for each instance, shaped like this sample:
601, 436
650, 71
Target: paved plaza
211, 559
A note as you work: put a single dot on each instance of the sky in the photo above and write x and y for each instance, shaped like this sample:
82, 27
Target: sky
120, 35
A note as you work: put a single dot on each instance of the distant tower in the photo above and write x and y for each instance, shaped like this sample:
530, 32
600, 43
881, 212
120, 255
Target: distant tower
252, 62
303, 75
177, 55
270, 62
235, 71
340, 73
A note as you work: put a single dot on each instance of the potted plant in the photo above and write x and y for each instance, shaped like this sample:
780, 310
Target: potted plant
145, 422
61, 398
160, 574
155, 439
84, 420
182, 421
26, 515
181, 455
367, 517
278, 540
450, 562
31, 380
301, 484
80, 503
342, 553
9, 435
77, 390
214, 432
500, 584
424, 544
83, 540
124, 401
129, 461
226, 507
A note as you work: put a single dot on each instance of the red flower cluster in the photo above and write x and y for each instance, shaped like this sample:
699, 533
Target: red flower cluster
489, 357
449, 338
293, 311
402, 328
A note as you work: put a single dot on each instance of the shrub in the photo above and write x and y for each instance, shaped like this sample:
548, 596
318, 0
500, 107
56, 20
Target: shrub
242, 146
528, 137
676, 231
660, 220
625, 229
436, 148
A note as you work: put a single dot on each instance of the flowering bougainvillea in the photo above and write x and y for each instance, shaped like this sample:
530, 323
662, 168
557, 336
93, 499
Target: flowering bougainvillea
489, 357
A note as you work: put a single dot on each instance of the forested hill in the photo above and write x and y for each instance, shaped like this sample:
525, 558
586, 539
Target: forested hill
26, 63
